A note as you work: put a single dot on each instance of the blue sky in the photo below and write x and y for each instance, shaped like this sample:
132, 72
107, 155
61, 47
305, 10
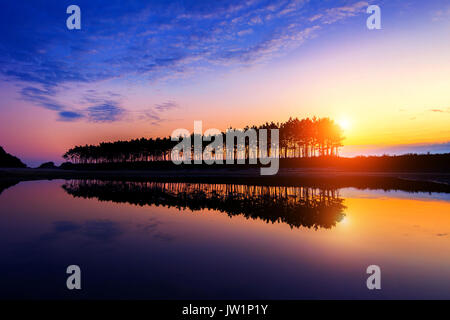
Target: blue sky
141, 41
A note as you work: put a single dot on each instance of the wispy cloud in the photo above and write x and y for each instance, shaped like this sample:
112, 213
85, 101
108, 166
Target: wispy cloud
169, 105
102, 108
105, 113
147, 41
94, 230
155, 113
338, 13
421, 148
440, 110
69, 116
43, 98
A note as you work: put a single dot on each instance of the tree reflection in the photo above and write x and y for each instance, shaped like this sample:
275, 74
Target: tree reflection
295, 206
5, 184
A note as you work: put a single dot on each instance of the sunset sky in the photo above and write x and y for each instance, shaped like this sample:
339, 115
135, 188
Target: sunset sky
144, 68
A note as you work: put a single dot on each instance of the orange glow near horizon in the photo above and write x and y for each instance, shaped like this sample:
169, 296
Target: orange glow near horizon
384, 89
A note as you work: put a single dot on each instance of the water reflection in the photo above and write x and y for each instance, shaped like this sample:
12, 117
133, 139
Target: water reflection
295, 206
5, 184
131, 245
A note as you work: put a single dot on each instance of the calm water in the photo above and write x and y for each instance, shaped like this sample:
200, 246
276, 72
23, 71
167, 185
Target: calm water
189, 241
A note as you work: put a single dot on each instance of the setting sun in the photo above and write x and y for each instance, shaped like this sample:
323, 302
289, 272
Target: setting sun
344, 123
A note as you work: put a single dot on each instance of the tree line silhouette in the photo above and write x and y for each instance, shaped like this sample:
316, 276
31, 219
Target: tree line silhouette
308, 137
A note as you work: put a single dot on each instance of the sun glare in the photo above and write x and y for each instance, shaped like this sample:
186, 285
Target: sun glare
344, 221
344, 123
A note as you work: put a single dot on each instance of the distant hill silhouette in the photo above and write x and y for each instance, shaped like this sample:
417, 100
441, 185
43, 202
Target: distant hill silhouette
9, 161
48, 165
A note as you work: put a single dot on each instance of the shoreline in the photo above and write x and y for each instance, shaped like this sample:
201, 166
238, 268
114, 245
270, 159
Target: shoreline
320, 178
